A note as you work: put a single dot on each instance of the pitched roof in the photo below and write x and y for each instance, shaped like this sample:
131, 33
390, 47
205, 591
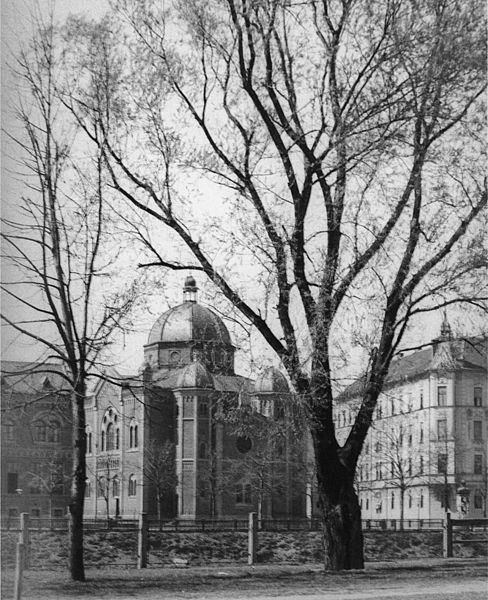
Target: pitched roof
169, 379
32, 377
460, 354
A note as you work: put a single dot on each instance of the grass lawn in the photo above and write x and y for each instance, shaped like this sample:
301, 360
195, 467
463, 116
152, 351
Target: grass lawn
222, 582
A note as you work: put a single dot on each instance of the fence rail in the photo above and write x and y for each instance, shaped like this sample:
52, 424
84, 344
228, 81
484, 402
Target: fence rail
223, 525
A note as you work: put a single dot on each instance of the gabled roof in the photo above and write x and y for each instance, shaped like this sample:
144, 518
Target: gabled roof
449, 355
32, 378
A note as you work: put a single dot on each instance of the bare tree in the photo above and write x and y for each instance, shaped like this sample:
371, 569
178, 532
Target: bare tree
348, 139
272, 449
49, 478
56, 254
160, 472
393, 449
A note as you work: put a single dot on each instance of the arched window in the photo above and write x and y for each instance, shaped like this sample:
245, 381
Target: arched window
133, 435
132, 485
115, 486
110, 431
40, 431
410, 501
202, 450
110, 437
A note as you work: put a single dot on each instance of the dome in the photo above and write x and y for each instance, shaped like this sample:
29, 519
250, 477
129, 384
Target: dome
195, 376
271, 381
189, 322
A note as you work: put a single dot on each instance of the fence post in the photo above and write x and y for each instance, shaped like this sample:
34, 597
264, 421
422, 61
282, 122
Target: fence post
24, 537
447, 537
252, 538
142, 542
19, 567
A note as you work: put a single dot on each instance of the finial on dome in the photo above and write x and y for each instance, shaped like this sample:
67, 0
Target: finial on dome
446, 331
190, 289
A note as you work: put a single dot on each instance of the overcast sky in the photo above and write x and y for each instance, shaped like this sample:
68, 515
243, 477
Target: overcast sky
16, 30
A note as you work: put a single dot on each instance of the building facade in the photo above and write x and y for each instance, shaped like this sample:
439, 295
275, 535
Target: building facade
36, 441
429, 433
186, 437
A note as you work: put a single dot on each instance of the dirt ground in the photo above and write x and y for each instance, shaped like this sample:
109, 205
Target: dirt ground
432, 579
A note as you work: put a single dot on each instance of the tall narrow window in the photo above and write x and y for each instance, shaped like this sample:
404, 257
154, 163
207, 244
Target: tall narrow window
115, 487
40, 431
441, 395
477, 431
110, 437
89, 440
421, 398
393, 500
12, 483
109, 430
478, 396
101, 487
421, 500
442, 463
421, 435
442, 429
478, 464
132, 485
421, 465
409, 466
133, 435
54, 432
478, 500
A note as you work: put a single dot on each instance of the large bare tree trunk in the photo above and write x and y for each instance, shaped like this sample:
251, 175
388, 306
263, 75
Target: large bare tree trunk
76, 560
341, 523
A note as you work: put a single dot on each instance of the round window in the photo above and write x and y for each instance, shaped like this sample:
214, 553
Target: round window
243, 444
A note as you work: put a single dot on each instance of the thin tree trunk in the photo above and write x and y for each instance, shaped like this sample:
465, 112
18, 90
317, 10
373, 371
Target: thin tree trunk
159, 500
76, 506
402, 507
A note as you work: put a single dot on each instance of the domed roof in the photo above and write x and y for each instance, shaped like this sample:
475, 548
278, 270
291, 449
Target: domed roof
271, 381
189, 322
195, 375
